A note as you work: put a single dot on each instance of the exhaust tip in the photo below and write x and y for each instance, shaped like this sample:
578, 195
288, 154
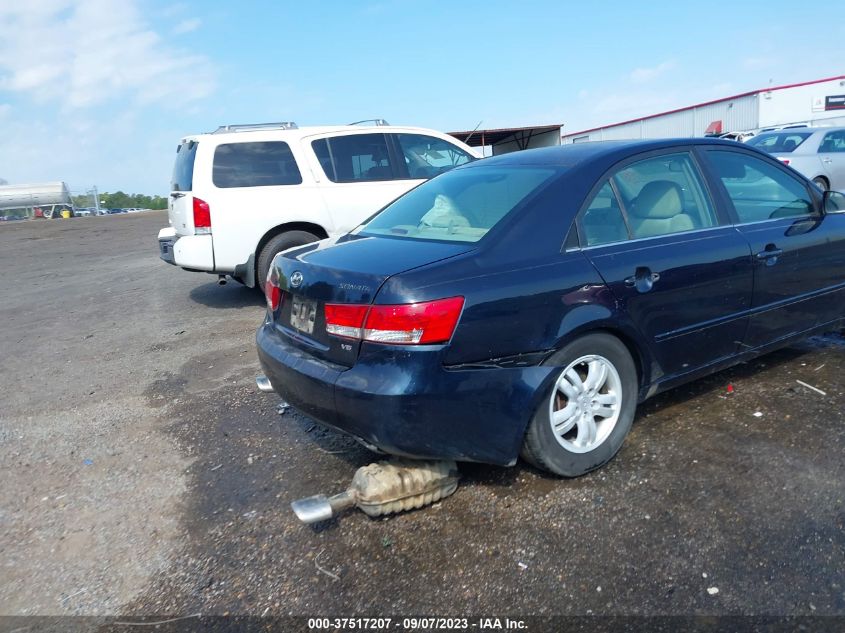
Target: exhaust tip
312, 509
221, 280
263, 384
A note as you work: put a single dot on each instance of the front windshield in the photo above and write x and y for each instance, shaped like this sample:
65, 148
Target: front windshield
779, 142
461, 205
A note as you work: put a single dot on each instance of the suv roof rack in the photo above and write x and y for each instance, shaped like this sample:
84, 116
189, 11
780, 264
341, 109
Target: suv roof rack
246, 127
378, 122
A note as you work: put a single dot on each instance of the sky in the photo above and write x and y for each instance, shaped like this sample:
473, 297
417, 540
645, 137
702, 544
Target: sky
99, 92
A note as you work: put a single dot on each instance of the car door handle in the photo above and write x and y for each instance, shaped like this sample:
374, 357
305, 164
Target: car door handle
827, 160
769, 253
643, 279
176, 195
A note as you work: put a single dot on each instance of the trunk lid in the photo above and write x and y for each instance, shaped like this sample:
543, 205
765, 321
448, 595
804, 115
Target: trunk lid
350, 269
180, 203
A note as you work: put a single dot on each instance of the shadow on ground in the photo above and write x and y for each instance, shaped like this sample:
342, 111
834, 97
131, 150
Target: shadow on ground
231, 295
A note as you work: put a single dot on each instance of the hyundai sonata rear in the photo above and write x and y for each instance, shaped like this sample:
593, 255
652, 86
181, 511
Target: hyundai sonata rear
359, 329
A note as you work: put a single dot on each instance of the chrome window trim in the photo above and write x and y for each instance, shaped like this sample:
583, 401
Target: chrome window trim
653, 237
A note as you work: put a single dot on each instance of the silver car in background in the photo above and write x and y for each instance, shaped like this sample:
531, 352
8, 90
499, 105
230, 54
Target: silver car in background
817, 152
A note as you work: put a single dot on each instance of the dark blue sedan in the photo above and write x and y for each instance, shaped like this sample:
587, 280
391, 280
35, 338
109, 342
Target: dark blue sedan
525, 304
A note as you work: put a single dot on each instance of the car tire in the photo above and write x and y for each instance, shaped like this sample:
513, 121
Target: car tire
821, 182
277, 244
592, 420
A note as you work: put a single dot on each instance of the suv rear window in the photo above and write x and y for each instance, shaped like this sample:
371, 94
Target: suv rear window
779, 142
460, 205
354, 158
183, 168
260, 164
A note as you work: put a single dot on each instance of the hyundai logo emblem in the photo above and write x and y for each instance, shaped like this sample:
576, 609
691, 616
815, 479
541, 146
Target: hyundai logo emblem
296, 279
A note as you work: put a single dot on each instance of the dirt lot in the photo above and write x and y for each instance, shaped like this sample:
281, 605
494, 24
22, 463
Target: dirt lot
142, 472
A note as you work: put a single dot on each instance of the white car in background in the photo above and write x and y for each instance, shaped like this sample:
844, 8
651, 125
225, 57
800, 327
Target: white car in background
816, 152
243, 193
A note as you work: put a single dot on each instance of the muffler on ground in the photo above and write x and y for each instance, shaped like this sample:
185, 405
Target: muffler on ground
385, 488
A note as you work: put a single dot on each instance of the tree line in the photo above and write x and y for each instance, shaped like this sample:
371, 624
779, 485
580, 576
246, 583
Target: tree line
120, 200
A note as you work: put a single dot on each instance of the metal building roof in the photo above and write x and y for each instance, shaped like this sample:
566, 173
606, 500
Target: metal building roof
521, 135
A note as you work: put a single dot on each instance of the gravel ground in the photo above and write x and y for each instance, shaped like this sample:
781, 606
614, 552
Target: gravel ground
144, 474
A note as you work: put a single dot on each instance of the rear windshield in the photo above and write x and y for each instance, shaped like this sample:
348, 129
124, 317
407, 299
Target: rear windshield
183, 168
260, 164
460, 205
779, 142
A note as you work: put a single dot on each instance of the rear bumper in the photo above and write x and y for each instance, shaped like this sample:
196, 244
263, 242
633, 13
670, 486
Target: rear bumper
188, 251
405, 402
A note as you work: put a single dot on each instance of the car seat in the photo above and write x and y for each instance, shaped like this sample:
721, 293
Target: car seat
659, 210
379, 171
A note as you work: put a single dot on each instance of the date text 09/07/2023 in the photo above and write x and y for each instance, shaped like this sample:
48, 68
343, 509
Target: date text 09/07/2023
417, 623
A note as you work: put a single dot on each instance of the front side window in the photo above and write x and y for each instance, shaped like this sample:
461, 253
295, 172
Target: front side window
663, 195
354, 158
758, 189
254, 165
459, 206
833, 142
428, 156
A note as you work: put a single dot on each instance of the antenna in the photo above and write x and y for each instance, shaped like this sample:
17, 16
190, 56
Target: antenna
466, 140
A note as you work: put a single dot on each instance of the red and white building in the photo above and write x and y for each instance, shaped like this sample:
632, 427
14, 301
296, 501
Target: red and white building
820, 103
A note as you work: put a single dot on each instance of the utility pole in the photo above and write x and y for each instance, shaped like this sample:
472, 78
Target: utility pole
96, 200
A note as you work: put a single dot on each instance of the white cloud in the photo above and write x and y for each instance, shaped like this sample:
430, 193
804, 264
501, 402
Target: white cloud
84, 52
643, 75
186, 26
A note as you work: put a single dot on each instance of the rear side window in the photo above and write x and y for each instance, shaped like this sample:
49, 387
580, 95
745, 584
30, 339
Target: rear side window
779, 142
428, 156
354, 158
183, 168
602, 222
833, 142
664, 195
261, 164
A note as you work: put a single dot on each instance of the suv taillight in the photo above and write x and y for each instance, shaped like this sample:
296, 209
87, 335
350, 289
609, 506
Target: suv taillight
406, 324
202, 217
272, 290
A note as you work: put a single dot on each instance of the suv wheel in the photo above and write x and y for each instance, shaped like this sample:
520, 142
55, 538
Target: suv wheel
581, 423
279, 243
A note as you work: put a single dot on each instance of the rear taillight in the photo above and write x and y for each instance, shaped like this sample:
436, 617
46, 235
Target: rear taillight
272, 291
202, 217
345, 319
406, 324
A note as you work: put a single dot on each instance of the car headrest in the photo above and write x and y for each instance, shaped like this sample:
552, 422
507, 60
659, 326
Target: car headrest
659, 199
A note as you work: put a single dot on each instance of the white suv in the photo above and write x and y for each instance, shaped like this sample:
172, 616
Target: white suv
243, 193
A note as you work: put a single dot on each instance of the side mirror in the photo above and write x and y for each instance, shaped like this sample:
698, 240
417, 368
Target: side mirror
834, 202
